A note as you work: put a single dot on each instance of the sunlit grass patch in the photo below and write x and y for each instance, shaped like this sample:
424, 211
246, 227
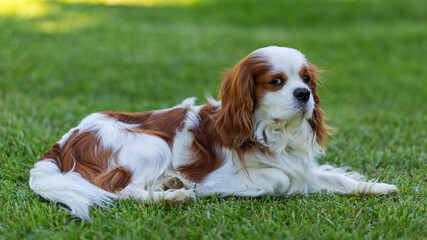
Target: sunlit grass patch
146, 3
28, 9
50, 16
25, 9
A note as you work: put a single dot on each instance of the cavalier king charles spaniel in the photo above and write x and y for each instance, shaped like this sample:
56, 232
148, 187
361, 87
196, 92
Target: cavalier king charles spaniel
262, 137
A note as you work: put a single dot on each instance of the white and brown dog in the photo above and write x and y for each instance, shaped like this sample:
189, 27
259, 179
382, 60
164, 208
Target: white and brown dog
261, 138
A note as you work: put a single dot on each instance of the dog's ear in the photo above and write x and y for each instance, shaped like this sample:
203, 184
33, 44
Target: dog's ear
317, 123
234, 122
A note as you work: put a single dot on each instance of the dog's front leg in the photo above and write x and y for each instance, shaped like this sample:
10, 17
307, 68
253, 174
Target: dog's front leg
335, 180
254, 182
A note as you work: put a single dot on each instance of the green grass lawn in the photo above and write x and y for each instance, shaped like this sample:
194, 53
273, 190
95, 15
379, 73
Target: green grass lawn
60, 61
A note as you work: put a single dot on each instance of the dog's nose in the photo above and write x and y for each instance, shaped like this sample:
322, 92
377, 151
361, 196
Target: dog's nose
302, 94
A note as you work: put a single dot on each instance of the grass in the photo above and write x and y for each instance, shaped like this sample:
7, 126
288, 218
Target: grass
63, 60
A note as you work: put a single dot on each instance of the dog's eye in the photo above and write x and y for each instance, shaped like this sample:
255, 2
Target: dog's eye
306, 78
276, 81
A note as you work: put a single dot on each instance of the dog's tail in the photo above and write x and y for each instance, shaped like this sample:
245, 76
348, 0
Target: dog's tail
69, 188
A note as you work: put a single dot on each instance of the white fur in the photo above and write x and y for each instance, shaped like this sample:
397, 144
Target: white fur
67, 188
291, 168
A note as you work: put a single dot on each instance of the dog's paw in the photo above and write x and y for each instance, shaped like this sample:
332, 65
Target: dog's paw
172, 183
382, 188
376, 188
179, 196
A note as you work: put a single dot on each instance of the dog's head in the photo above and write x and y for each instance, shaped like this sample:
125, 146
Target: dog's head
276, 85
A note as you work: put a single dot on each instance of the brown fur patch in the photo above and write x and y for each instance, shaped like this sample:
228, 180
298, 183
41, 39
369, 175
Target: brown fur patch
114, 180
206, 153
235, 120
162, 124
83, 152
53, 153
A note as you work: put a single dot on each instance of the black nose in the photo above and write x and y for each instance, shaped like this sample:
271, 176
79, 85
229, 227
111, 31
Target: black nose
302, 94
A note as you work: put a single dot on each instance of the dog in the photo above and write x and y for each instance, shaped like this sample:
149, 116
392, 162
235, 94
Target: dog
262, 137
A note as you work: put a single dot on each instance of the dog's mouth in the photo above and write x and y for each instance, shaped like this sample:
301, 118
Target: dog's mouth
299, 114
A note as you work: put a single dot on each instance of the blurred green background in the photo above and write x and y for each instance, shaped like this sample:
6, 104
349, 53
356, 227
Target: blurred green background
61, 60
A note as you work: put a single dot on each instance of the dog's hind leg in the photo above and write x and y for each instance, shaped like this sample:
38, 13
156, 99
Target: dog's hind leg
172, 195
